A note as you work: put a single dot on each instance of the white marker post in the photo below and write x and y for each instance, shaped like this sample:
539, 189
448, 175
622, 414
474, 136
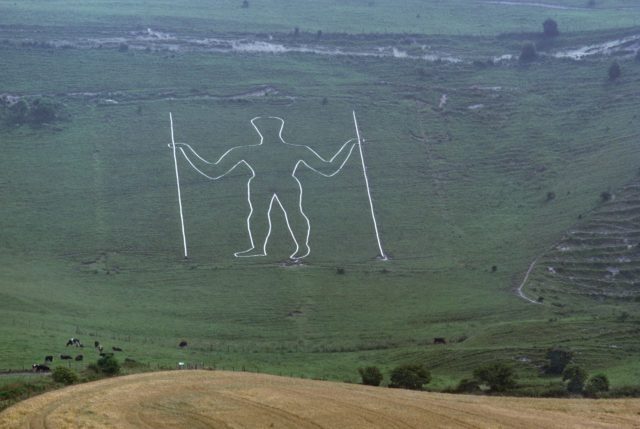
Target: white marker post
383, 256
175, 161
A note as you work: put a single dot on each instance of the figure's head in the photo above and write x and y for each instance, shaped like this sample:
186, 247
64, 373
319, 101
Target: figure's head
268, 127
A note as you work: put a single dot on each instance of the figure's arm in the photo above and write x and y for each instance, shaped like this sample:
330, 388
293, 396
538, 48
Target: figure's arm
211, 170
331, 166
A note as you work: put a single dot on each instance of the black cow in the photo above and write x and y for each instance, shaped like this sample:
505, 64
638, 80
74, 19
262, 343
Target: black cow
48, 359
65, 357
36, 367
183, 344
116, 349
96, 344
79, 357
439, 340
106, 354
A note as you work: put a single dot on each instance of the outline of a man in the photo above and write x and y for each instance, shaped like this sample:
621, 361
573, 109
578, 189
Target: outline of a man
262, 193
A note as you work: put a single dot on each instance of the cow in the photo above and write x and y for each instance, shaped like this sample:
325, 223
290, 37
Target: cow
96, 344
183, 344
74, 342
36, 367
106, 354
100, 348
116, 349
79, 358
439, 340
48, 359
65, 357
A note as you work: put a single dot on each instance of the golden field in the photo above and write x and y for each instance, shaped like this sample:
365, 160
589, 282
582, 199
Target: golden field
217, 399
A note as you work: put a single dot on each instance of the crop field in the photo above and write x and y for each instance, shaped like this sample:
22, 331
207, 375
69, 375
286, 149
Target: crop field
221, 399
478, 164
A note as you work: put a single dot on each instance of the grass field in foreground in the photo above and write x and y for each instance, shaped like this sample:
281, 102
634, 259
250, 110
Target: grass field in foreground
218, 399
91, 240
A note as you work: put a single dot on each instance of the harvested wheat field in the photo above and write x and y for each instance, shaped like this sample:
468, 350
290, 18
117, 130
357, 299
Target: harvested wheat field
208, 399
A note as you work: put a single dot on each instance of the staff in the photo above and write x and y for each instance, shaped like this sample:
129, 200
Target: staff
383, 256
175, 162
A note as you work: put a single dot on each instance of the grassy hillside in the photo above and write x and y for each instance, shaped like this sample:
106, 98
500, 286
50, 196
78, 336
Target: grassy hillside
90, 230
454, 17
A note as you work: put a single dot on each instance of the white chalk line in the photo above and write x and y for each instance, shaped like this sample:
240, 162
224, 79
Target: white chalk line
175, 162
366, 182
274, 197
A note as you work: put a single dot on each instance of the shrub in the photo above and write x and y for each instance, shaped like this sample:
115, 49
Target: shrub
64, 375
467, 386
558, 360
43, 110
123, 47
498, 376
371, 376
550, 28
410, 376
108, 365
551, 195
606, 196
596, 385
528, 52
245, 4
638, 55
614, 71
576, 378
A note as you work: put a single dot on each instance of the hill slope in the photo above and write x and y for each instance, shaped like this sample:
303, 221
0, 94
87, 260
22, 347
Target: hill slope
201, 399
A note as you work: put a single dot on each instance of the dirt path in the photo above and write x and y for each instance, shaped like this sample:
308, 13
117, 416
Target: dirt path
204, 399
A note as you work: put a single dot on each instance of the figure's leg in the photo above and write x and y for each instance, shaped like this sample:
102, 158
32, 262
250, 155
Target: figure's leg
297, 221
258, 224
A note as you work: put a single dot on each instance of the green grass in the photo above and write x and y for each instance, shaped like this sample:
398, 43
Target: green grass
453, 17
89, 224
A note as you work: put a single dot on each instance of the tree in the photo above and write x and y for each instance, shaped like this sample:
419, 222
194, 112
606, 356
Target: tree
528, 52
410, 376
319, 34
296, 32
371, 376
498, 376
64, 375
550, 28
108, 365
468, 386
558, 360
245, 4
576, 378
42, 110
18, 113
597, 384
614, 71
638, 55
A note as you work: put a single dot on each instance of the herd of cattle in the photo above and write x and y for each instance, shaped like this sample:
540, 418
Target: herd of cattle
74, 342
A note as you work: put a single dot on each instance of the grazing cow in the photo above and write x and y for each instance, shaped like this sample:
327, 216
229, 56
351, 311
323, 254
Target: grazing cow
74, 342
79, 357
183, 344
65, 357
100, 348
96, 344
439, 340
116, 349
48, 359
36, 367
